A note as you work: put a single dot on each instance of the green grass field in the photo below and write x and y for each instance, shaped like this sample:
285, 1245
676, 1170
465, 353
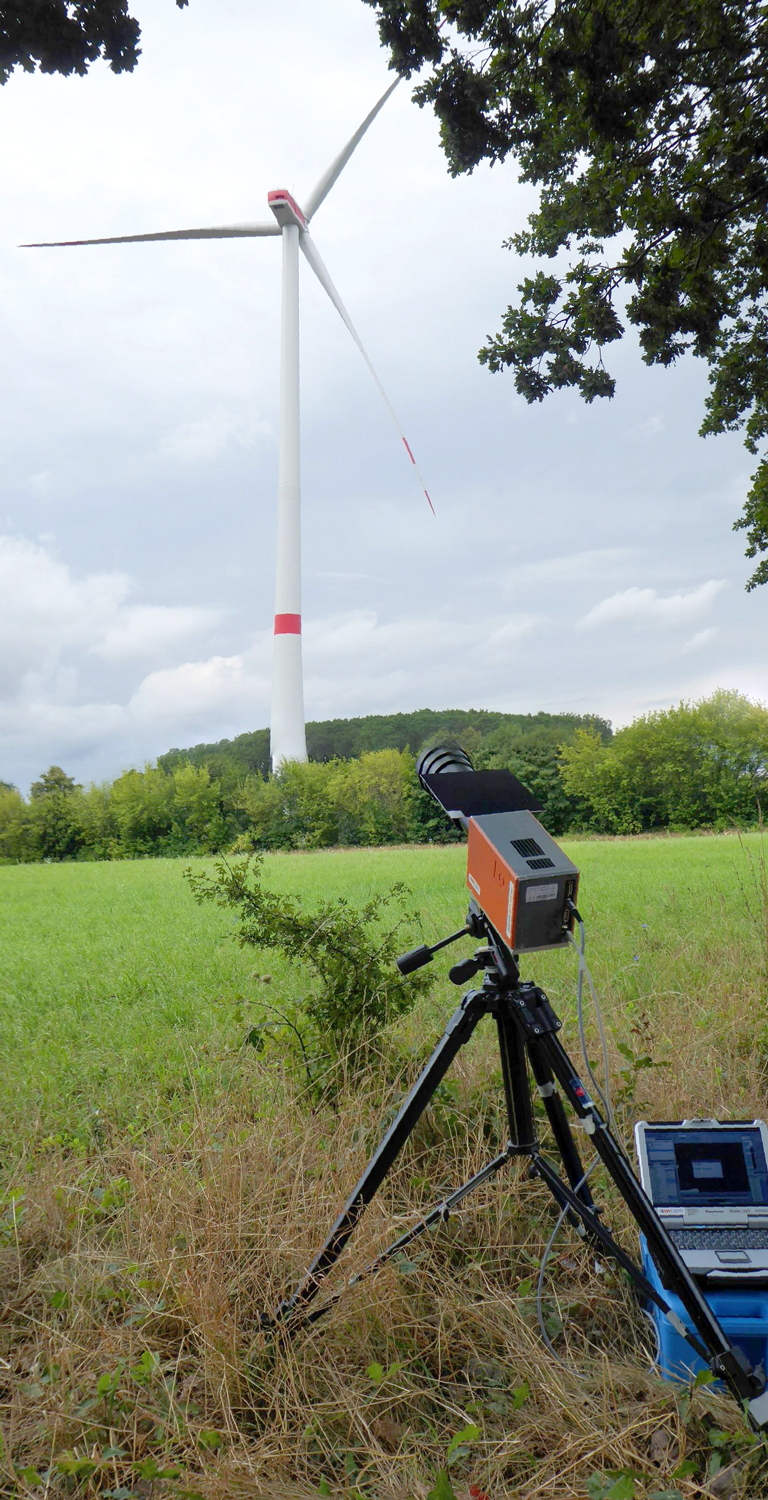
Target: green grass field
163, 1183
117, 991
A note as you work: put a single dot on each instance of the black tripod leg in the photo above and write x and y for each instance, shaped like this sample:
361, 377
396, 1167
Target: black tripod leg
517, 1091
558, 1120
457, 1032
437, 1215
727, 1361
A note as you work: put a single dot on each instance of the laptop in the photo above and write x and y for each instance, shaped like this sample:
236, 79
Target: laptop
708, 1181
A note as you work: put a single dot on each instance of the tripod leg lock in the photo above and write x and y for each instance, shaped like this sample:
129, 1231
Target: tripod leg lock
749, 1380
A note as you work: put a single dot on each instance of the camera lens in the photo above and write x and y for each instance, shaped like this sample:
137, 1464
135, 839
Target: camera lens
434, 762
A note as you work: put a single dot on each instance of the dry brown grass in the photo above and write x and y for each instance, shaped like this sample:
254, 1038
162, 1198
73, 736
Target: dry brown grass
154, 1289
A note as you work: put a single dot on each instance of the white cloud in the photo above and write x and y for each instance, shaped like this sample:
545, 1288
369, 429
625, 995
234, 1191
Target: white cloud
146, 631
48, 614
650, 607
701, 638
45, 609
196, 691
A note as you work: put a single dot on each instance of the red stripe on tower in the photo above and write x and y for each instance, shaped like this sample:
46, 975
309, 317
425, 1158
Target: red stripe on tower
287, 624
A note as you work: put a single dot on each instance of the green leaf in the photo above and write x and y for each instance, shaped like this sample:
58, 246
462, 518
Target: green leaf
520, 1395
210, 1438
145, 1368
150, 1469
78, 1467
375, 1373
684, 1469
324, 1488
704, 1377
404, 1266
611, 1486
442, 1488
525, 1288
717, 1437
623, 1489
468, 1434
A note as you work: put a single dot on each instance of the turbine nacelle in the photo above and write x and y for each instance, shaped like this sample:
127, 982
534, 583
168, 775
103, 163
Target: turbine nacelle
285, 208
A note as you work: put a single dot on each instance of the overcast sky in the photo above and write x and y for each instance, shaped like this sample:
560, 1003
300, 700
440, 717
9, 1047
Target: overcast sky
581, 558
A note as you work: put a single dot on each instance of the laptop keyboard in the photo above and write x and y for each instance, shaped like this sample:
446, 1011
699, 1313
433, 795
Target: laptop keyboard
720, 1239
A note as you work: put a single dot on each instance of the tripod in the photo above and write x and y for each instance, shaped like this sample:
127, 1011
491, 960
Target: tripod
527, 1029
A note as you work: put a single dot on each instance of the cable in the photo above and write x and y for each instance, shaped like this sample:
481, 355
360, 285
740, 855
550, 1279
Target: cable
542, 1272
605, 1098
603, 1095
654, 1365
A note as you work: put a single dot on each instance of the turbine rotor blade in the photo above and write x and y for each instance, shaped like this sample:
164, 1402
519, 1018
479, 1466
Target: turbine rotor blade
323, 187
313, 257
218, 232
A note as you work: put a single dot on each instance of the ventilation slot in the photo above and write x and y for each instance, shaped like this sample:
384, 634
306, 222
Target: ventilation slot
527, 847
541, 864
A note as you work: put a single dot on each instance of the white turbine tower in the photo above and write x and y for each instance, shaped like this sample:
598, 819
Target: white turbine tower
287, 736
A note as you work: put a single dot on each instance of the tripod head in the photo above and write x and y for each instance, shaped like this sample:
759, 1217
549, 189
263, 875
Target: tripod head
493, 956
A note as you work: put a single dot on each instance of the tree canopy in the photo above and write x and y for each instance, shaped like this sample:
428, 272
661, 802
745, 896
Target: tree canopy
646, 127
66, 36
699, 765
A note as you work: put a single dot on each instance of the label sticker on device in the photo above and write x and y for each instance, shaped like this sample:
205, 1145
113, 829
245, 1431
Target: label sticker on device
510, 909
541, 893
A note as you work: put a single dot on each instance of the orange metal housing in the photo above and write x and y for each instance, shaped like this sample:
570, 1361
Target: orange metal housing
492, 882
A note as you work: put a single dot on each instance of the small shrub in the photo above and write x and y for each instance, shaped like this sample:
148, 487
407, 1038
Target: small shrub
349, 953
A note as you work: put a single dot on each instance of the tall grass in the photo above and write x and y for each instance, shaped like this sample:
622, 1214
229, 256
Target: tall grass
164, 1185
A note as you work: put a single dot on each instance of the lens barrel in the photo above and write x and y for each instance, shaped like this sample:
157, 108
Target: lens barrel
434, 762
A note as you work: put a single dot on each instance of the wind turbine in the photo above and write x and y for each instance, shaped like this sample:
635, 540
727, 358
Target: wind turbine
287, 734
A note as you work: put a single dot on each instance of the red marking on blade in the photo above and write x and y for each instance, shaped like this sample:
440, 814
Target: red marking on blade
408, 451
287, 624
431, 506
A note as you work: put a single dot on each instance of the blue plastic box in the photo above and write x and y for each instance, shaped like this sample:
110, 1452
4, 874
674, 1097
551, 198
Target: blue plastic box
741, 1310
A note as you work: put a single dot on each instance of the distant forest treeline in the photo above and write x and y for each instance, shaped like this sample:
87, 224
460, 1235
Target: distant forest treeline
697, 765
479, 730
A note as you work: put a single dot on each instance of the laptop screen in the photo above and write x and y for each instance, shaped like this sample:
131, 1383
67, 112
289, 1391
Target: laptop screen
710, 1167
